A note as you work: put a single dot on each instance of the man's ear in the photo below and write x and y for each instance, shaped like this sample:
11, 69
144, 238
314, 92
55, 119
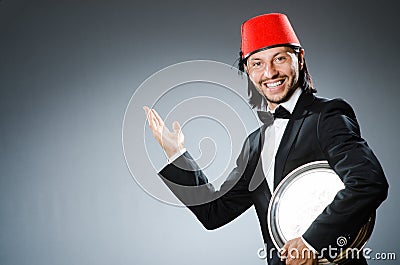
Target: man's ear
301, 59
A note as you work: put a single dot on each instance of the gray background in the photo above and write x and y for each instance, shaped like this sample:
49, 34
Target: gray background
67, 72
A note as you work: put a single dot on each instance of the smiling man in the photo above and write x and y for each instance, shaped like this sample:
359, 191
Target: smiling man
300, 128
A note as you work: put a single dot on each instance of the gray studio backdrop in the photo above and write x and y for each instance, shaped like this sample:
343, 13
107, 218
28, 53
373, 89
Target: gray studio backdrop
67, 72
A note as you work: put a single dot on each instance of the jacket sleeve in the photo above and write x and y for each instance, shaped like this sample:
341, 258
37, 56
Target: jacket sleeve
213, 208
365, 184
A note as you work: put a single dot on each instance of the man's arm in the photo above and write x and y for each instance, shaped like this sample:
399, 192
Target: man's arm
213, 208
365, 184
186, 180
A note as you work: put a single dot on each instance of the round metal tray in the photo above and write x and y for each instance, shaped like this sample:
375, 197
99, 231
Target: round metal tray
300, 197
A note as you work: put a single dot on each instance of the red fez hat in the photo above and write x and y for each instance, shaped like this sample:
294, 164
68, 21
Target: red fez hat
267, 31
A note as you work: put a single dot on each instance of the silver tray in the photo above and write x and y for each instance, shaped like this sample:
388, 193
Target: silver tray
299, 198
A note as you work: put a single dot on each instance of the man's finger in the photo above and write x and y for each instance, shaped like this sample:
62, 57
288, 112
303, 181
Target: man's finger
282, 253
176, 126
283, 250
148, 114
153, 118
289, 261
147, 111
157, 117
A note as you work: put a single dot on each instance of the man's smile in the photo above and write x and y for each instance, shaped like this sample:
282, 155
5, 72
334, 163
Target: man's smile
275, 85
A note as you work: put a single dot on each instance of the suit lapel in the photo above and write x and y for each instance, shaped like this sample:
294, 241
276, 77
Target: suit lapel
256, 172
292, 129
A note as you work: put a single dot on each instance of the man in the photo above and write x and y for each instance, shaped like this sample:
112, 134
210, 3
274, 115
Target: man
310, 129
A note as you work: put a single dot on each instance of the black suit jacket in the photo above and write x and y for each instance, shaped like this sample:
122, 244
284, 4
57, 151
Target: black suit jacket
320, 129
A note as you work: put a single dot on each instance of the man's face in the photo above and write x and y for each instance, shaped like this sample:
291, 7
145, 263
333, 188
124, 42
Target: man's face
275, 73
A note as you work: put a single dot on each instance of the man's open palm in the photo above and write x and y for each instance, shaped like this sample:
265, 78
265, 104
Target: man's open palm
171, 142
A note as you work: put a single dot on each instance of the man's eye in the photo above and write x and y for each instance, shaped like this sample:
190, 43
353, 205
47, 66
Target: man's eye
256, 64
280, 59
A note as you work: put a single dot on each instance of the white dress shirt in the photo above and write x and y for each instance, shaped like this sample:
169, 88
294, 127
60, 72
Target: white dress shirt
273, 136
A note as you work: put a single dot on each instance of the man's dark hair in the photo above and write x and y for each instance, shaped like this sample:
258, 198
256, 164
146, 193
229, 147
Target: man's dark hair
256, 100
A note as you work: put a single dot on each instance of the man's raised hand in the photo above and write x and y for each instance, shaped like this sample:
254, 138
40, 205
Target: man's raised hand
171, 142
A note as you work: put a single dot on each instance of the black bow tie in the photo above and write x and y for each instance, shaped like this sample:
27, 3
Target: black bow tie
280, 113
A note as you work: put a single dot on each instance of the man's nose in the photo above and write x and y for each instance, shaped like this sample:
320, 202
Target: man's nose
270, 71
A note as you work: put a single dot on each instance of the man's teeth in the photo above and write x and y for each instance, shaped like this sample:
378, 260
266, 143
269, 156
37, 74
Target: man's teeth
274, 84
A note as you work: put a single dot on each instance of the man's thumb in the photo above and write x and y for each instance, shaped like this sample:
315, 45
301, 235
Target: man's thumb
176, 126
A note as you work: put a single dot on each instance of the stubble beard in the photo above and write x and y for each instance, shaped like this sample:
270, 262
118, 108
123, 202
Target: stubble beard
285, 97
